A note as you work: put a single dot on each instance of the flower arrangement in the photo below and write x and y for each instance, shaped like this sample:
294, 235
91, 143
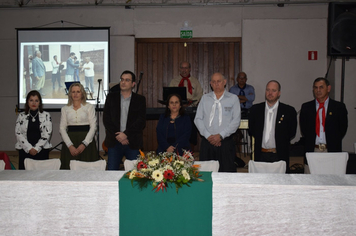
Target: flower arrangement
164, 169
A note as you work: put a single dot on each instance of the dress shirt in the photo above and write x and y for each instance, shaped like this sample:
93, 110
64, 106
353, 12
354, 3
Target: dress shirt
55, 66
322, 138
231, 115
125, 104
85, 115
249, 94
89, 72
197, 89
271, 143
30, 68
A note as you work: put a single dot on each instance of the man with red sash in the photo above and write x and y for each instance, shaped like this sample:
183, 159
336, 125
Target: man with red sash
194, 94
323, 121
194, 90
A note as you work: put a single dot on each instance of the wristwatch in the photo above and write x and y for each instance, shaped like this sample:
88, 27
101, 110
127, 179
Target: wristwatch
221, 138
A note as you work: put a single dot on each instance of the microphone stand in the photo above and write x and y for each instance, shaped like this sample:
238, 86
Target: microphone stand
97, 119
139, 81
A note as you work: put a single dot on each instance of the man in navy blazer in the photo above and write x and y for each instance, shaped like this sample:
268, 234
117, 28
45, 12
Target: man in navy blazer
323, 132
124, 120
273, 124
71, 66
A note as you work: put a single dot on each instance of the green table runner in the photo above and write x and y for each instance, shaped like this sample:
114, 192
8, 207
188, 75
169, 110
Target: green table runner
145, 212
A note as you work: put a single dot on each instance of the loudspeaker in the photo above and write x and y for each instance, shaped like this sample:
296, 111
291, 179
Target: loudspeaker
342, 29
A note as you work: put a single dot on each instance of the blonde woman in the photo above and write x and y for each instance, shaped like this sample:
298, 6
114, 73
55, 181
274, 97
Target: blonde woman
77, 128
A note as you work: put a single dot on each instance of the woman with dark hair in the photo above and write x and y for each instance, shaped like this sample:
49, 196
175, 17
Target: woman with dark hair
174, 127
77, 128
33, 130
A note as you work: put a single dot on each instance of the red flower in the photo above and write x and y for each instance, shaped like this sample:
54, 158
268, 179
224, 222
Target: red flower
168, 174
186, 155
160, 186
141, 165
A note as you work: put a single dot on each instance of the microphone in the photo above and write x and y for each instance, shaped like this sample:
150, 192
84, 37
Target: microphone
99, 80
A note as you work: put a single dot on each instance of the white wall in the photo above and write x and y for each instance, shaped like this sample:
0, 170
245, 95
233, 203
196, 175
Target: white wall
275, 42
349, 98
283, 56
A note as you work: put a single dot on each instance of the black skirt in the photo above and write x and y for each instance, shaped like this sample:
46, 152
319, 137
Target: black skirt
89, 154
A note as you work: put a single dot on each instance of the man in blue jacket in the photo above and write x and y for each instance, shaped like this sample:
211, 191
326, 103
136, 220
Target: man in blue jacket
39, 72
71, 66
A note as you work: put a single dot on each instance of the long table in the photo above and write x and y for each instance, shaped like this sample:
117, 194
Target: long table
68, 202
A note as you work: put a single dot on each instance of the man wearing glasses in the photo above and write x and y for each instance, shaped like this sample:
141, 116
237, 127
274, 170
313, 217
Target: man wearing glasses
124, 120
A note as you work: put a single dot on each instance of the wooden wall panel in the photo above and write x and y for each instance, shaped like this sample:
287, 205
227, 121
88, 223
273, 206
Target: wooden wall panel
159, 60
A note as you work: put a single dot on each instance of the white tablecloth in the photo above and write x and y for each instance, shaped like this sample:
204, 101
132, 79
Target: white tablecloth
86, 203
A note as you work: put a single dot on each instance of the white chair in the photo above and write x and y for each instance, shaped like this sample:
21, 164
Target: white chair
208, 165
129, 164
333, 163
267, 167
2, 165
84, 165
50, 164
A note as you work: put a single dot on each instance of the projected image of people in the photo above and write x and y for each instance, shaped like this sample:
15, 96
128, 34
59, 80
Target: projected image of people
39, 72
56, 72
50, 68
88, 69
51, 59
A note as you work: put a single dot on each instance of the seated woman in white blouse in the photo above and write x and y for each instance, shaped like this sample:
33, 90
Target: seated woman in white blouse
77, 128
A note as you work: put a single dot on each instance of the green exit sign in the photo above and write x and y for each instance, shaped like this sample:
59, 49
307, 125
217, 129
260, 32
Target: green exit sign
186, 34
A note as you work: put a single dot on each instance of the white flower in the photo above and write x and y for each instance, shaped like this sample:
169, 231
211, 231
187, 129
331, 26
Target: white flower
154, 162
157, 175
168, 167
146, 170
132, 174
185, 175
178, 163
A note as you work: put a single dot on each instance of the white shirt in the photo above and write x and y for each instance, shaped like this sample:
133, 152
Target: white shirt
85, 115
231, 115
89, 72
55, 67
270, 120
322, 138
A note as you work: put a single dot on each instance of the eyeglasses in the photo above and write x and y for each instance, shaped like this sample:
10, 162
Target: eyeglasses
125, 80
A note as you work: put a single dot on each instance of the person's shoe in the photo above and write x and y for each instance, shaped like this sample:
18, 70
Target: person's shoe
239, 162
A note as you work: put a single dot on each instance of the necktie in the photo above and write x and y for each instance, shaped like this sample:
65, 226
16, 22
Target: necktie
242, 93
269, 121
181, 84
212, 113
317, 122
